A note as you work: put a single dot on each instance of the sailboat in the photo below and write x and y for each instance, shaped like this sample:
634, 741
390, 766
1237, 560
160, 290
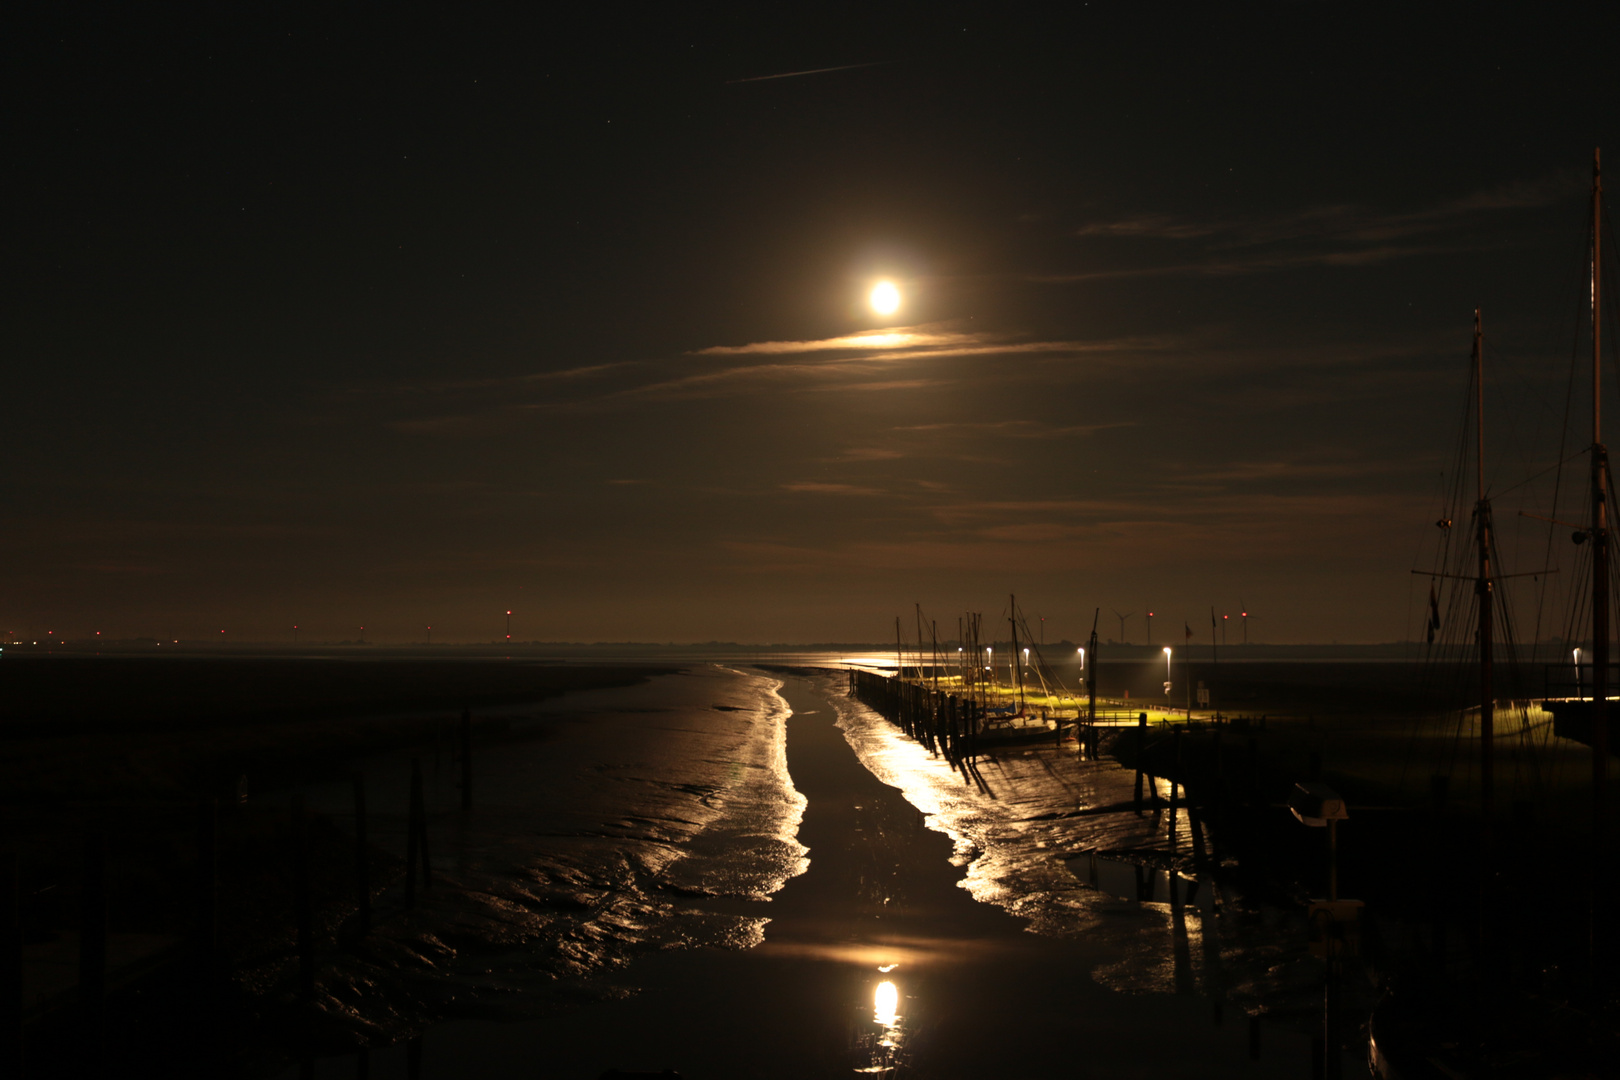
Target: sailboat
1445, 1033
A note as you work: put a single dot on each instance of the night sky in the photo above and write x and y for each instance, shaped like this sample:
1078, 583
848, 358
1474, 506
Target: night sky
391, 319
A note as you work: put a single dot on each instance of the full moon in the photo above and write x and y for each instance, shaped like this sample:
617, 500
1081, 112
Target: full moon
884, 298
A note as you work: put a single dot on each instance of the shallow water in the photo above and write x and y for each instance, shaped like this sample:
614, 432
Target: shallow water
677, 827
598, 833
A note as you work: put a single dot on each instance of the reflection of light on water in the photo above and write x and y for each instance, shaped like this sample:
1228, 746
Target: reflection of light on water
886, 1004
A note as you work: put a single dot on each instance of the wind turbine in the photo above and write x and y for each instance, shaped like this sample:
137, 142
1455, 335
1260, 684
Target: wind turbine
1122, 619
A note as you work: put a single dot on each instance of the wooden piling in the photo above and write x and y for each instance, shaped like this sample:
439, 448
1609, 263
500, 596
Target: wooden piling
1175, 782
303, 904
1254, 1038
1254, 770
362, 859
1181, 949
1141, 748
11, 992
416, 846
1196, 824
93, 939
466, 759
207, 883
413, 1059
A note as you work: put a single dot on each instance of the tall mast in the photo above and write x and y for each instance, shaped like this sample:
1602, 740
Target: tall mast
1091, 670
1482, 589
935, 627
919, 642
1600, 540
1018, 669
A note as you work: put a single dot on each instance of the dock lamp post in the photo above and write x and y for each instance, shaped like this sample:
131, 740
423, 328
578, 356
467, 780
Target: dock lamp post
1167, 673
1334, 922
1315, 804
1082, 651
1577, 674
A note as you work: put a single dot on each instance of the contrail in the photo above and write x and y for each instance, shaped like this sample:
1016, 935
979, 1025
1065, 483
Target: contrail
812, 71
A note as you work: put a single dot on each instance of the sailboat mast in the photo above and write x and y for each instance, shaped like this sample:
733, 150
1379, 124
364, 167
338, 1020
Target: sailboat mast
934, 626
1091, 670
1018, 669
1482, 589
1600, 537
920, 675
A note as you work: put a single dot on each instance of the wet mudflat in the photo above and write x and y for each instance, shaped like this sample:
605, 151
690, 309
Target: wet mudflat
975, 993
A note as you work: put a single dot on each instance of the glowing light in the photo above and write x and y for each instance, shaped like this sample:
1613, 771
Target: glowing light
886, 1004
884, 298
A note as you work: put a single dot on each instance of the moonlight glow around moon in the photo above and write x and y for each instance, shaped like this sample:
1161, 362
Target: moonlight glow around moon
884, 298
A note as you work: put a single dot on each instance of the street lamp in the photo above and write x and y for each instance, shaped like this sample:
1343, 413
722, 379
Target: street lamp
1167, 671
1577, 674
1082, 651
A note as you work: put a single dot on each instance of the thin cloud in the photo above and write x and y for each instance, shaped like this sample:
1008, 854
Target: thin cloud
905, 337
1018, 429
1340, 235
810, 71
816, 487
868, 453
1261, 263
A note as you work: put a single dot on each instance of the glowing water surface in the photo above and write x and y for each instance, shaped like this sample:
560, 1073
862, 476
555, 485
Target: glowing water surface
605, 825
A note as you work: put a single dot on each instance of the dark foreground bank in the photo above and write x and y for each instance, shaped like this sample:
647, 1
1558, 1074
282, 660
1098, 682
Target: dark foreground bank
149, 843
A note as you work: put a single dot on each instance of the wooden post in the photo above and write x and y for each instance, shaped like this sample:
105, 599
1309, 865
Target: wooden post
207, 879
416, 846
1254, 769
362, 860
1180, 948
304, 910
466, 759
93, 938
413, 1059
11, 991
1196, 824
1254, 1038
1175, 783
1141, 748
